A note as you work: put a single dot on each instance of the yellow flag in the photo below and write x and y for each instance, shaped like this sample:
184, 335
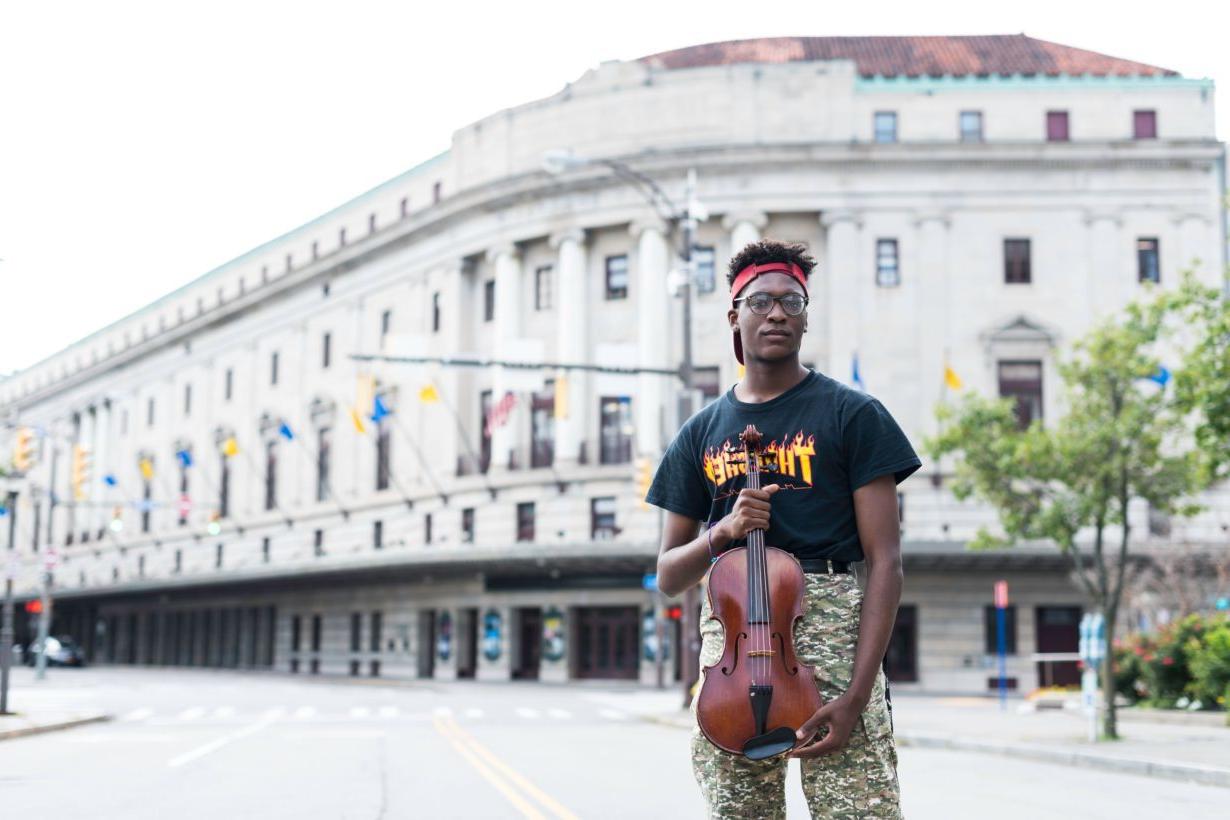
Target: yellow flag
356, 419
428, 394
561, 397
952, 379
147, 469
230, 447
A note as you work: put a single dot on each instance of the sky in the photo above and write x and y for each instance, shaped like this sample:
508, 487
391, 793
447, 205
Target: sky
143, 144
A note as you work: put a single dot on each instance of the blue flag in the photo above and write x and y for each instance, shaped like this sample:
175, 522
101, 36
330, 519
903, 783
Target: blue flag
379, 411
1161, 376
109, 480
185, 457
856, 378
285, 432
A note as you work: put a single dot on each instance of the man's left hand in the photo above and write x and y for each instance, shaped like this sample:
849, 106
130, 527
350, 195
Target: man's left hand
840, 716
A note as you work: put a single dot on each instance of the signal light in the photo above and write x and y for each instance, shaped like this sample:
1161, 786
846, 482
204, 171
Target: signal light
80, 471
674, 613
23, 450
215, 523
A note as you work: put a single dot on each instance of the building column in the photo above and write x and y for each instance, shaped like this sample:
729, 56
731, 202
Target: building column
744, 228
842, 269
446, 668
1108, 276
934, 300
654, 391
507, 262
572, 344
501, 667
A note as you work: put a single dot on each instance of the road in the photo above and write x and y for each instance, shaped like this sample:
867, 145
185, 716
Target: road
203, 744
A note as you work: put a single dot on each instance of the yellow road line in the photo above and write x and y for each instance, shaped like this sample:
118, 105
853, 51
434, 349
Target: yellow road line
544, 799
508, 791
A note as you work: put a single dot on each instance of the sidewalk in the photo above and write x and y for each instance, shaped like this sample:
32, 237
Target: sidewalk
34, 711
1193, 750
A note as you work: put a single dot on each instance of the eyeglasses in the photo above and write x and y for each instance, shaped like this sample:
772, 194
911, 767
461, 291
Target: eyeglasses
762, 303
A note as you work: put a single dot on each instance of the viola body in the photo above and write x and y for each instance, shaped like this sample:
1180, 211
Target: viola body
722, 707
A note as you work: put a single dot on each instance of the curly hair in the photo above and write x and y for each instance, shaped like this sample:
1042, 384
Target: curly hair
770, 250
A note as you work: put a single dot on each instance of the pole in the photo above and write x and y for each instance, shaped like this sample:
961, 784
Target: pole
691, 599
44, 627
1001, 647
6, 618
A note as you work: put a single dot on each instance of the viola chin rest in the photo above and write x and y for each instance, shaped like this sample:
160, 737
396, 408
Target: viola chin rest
769, 744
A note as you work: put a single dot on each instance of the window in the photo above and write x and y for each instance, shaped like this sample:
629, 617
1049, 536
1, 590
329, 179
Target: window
371, 223
602, 518
970, 125
324, 452
489, 300
436, 192
273, 369
290, 262
888, 272
185, 500
218, 556
1144, 125
990, 630
484, 445
708, 381
341, 237
187, 400
885, 126
1056, 126
316, 633
146, 504
405, 206
616, 430
315, 250
377, 634
318, 543
224, 488
265, 549
1017, 268
1022, 380
386, 324
271, 474
149, 413
296, 633
356, 627
179, 560
383, 446
542, 426
427, 528
435, 312
326, 351
705, 260
467, 525
228, 384
525, 521
617, 277
542, 287
378, 534
1148, 267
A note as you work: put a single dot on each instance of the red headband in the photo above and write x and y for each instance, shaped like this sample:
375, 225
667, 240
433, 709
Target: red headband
752, 271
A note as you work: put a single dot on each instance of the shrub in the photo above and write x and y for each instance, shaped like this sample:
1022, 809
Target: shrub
1166, 674
1208, 658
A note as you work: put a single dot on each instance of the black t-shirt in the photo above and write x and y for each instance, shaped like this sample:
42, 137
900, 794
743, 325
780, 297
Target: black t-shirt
820, 441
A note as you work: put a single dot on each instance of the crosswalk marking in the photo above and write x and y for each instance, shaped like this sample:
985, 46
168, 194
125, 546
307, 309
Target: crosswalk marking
473, 712
304, 712
138, 714
224, 712
559, 714
192, 713
611, 714
360, 711
388, 711
527, 713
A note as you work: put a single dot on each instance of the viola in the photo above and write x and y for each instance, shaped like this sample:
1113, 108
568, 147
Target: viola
758, 694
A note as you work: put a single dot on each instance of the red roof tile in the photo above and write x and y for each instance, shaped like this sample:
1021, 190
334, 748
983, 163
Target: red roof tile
911, 56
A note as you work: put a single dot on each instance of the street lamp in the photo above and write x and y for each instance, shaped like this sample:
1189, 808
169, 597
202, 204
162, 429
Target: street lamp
679, 282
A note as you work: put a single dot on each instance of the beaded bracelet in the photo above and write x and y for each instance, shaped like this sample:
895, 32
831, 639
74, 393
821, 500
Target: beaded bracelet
712, 558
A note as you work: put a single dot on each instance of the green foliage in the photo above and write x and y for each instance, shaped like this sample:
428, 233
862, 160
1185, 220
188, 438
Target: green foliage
1130, 667
1166, 674
1185, 665
1208, 659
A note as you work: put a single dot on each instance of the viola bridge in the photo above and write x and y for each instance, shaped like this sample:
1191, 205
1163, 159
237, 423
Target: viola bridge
760, 653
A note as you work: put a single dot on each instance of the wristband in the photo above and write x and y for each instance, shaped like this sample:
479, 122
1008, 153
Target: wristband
712, 558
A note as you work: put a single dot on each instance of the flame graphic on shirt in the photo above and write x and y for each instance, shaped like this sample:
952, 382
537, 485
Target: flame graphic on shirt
790, 456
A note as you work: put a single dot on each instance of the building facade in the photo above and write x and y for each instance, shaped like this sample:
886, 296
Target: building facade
268, 468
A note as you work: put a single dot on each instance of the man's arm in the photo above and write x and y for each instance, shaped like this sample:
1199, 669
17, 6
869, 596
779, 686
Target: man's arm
875, 509
683, 558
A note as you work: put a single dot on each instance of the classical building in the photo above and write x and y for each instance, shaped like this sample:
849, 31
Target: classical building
265, 468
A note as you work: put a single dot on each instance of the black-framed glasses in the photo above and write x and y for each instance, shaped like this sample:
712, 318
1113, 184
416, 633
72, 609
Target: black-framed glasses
762, 303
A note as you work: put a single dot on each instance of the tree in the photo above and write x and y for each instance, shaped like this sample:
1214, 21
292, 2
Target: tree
1123, 437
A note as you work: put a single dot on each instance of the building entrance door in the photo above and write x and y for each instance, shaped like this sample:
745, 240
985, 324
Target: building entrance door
426, 666
608, 640
529, 643
901, 659
1058, 631
467, 643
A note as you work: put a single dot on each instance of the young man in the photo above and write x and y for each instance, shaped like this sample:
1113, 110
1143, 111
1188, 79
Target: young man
831, 458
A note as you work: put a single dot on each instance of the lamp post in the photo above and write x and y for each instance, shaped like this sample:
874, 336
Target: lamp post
682, 220
6, 615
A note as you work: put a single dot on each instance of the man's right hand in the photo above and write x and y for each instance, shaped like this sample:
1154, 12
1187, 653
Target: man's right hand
751, 512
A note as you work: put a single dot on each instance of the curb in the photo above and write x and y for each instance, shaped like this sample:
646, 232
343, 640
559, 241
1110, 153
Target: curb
26, 731
1184, 772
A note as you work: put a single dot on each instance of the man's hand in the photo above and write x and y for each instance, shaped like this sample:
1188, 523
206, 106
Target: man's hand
751, 512
839, 715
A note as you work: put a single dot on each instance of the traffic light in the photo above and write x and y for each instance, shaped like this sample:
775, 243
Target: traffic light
34, 606
215, 523
23, 450
117, 518
674, 613
81, 471
644, 477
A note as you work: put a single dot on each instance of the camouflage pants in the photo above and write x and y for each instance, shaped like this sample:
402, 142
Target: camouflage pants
858, 781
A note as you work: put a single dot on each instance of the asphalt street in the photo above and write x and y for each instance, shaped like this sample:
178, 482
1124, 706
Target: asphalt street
199, 744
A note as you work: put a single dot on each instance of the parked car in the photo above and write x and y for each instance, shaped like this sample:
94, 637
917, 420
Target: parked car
61, 651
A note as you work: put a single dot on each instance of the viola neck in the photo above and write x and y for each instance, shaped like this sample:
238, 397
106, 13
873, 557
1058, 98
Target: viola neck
757, 568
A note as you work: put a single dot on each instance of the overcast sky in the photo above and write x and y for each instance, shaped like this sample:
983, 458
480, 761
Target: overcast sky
142, 144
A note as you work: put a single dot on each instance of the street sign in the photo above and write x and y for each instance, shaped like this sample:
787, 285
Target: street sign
51, 559
650, 582
1001, 595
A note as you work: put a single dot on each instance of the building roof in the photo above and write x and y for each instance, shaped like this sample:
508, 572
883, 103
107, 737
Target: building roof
1004, 54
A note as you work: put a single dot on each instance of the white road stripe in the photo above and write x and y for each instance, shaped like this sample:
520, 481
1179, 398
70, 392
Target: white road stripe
215, 745
473, 712
527, 713
359, 711
559, 714
192, 713
304, 712
442, 711
388, 711
138, 714
224, 712
611, 714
